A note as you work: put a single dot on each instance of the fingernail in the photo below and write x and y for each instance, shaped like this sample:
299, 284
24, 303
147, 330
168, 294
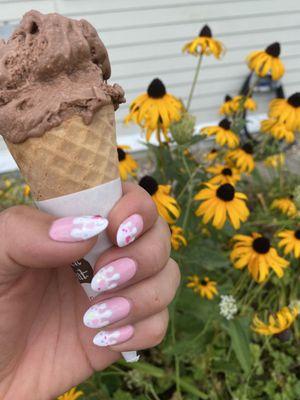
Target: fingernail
113, 274
107, 312
76, 229
129, 230
109, 338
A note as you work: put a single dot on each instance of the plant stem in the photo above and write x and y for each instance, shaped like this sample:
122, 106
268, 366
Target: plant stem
194, 173
190, 196
240, 283
194, 82
266, 344
152, 391
177, 363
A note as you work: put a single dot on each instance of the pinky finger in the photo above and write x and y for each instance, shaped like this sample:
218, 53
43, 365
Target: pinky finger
145, 334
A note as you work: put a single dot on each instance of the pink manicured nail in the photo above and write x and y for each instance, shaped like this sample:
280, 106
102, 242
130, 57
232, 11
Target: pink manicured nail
129, 230
113, 274
107, 312
76, 229
109, 338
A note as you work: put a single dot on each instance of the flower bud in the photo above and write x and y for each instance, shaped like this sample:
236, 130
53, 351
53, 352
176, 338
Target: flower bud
183, 130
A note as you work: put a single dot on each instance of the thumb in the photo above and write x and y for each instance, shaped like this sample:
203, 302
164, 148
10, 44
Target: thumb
34, 239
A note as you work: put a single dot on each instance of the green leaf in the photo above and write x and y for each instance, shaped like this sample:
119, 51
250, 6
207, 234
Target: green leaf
121, 395
146, 368
239, 334
190, 388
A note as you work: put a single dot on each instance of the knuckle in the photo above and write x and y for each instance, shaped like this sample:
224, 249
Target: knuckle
175, 273
10, 217
150, 206
156, 298
158, 253
9, 220
159, 329
165, 227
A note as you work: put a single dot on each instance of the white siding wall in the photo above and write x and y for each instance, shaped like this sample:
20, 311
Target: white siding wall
144, 39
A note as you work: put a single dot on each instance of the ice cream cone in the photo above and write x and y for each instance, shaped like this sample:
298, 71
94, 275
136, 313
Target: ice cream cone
71, 157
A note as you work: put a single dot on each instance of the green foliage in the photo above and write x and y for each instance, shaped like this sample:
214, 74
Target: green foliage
206, 354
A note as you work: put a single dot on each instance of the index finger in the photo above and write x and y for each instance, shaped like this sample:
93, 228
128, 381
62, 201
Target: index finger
133, 215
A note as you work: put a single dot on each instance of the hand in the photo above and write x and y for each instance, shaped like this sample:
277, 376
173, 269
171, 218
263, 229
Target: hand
45, 346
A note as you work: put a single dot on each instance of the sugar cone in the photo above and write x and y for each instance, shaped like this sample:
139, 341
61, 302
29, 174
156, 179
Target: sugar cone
68, 159
71, 157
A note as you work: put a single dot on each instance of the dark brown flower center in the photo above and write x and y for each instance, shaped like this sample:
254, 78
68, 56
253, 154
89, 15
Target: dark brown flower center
225, 124
248, 148
149, 184
227, 171
203, 282
273, 49
294, 100
213, 151
297, 234
205, 31
285, 336
121, 154
227, 98
156, 89
261, 245
226, 192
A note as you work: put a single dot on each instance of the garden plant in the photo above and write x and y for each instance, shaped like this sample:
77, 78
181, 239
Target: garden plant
233, 208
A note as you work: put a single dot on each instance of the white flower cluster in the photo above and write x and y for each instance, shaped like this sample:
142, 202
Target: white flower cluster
228, 307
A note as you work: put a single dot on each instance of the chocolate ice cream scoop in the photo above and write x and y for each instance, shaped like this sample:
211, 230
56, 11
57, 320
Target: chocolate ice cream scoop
50, 69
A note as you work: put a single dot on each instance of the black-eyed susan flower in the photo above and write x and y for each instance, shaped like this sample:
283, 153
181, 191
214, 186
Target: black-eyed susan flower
228, 107
223, 174
177, 237
277, 323
155, 110
267, 61
222, 202
204, 287
247, 103
256, 253
232, 105
72, 394
276, 160
167, 206
242, 158
127, 165
204, 44
290, 242
287, 111
223, 135
211, 155
277, 129
285, 205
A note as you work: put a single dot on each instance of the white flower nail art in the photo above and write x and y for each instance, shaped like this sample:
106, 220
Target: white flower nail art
98, 316
88, 226
108, 312
109, 338
105, 338
106, 279
129, 230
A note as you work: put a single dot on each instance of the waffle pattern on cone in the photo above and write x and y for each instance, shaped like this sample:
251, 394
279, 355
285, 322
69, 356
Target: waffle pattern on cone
71, 157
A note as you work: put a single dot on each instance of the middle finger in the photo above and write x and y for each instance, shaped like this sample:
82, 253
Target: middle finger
120, 267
